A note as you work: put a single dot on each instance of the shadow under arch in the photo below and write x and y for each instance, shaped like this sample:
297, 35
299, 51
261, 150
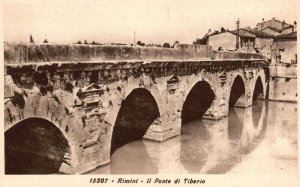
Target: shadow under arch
138, 111
258, 93
35, 146
197, 102
237, 92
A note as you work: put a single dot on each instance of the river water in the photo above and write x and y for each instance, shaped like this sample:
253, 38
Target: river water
257, 139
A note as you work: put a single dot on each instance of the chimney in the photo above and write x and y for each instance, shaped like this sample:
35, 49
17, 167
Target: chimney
283, 24
295, 26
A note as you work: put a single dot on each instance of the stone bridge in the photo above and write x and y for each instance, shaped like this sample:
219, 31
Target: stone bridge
72, 106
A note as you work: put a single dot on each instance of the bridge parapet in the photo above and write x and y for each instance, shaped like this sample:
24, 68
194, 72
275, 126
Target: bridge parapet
24, 53
226, 55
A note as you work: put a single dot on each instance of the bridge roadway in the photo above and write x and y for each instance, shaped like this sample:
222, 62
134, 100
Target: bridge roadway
74, 105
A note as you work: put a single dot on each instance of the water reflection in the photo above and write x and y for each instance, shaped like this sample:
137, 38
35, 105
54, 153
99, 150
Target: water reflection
283, 132
207, 146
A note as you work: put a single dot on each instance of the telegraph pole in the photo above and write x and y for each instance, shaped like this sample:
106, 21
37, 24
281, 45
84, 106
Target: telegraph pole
133, 37
237, 33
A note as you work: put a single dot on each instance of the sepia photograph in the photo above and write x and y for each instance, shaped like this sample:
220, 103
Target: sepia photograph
149, 88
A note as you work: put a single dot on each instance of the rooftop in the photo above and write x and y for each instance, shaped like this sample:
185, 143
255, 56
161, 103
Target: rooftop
261, 34
274, 19
246, 33
272, 28
292, 35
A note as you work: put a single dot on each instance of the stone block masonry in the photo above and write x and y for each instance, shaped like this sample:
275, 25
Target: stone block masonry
283, 83
101, 97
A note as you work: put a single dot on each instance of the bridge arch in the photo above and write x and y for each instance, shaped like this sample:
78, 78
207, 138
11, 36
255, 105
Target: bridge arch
258, 91
36, 146
237, 92
194, 80
197, 101
137, 113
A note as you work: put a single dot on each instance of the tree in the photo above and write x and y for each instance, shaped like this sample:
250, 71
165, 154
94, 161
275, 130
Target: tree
166, 45
201, 41
93, 43
175, 43
85, 42
79, 42
140, 43
45, 41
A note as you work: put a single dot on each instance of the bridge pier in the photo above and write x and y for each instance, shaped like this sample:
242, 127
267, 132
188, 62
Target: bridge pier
216, 111
106, 97
244, 101
160, 131
169, 123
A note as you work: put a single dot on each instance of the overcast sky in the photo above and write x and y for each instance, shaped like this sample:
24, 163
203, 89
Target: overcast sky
154, 21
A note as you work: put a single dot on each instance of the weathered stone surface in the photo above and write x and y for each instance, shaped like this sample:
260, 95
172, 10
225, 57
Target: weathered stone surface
16, 53
283, 83
92, 103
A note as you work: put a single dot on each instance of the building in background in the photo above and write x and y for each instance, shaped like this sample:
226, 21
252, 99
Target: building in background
285, 47
264, 38
273, 26
227, 40
277, 40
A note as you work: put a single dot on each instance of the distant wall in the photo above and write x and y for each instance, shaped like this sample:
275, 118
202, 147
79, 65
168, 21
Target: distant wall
283, 89
283, 83
225, 40
265, 46
263, 43
289, 30
283, 71
290, 49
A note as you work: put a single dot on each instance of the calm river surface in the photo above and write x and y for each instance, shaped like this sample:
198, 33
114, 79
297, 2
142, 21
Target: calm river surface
258, 139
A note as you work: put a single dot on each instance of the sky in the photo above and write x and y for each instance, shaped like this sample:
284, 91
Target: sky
153, 21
